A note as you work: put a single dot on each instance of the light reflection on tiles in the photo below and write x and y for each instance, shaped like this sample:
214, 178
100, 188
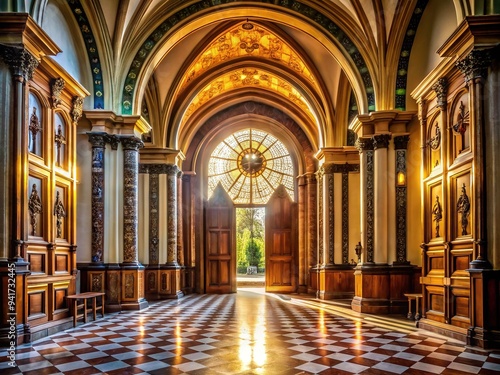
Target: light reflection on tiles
248, 333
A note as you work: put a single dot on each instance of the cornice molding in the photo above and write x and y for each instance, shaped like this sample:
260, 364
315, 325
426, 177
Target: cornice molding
473, 32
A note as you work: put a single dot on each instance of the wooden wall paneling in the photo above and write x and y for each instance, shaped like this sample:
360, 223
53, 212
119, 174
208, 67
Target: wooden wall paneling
38, 303
60, 308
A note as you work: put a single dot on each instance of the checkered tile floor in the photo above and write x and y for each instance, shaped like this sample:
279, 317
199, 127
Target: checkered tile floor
246, 333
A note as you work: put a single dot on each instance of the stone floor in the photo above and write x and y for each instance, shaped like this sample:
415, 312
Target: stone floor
249, 332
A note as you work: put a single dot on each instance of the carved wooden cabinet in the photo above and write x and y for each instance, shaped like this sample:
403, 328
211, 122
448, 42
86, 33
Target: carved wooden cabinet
54, 106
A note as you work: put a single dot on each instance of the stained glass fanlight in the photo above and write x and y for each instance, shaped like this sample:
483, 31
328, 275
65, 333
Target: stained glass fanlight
250, 164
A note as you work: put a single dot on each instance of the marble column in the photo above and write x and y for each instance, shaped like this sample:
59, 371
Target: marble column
170, 282
328, 214
312, 229
131, 147
98, 141
172, 172
132, 272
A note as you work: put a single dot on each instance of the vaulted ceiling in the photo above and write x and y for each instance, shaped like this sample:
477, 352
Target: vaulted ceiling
180, 63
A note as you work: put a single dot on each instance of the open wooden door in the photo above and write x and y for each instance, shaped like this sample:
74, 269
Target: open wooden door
281, 243
220, 264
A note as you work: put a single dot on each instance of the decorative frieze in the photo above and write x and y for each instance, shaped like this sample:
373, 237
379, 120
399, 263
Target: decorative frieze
331, 219
345, 216
401, 144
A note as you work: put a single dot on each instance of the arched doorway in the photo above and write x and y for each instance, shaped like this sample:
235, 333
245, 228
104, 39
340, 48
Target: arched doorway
247, 169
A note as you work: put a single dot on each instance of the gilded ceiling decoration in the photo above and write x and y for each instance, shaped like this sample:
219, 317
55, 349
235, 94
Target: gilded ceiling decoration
247, 39
248, 77
301, 8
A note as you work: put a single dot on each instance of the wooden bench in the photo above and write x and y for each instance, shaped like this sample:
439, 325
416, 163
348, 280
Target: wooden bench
85, 296
411, 297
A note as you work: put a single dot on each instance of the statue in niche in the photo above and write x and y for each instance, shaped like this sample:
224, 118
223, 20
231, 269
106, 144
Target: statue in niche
460, 127
463, 207
437, 212
60, 140
34, 128
435, 141
59, 213
34, 207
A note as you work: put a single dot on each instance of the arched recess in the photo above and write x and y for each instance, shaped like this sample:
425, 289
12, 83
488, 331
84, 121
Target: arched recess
287, 130
277, 62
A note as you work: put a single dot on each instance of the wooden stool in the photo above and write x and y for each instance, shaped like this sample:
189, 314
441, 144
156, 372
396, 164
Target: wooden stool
411, 297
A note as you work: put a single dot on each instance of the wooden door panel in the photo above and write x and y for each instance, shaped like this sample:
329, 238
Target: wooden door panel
220, 244
281, 234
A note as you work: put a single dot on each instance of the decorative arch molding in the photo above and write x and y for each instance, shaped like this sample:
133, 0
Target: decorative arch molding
92, 51
404, 55
253, 108
313, 15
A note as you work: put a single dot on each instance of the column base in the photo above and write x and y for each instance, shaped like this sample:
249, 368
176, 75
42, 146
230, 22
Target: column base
313, 285
336, 282
132, 287
372, 289
169, 282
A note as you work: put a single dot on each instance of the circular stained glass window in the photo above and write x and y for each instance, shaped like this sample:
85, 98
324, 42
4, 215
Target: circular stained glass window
250, 164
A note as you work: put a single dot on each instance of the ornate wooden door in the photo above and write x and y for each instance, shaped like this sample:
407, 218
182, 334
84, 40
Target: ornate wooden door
220, 264
281, 243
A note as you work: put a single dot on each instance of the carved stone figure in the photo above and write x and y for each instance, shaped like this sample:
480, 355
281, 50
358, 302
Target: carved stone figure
34, 207
59, 213
60, 140
437, 212
463, 207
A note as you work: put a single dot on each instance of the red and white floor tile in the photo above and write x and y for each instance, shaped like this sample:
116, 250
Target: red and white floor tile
247, 333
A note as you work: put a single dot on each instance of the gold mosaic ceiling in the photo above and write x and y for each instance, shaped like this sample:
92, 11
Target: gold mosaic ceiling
248, 40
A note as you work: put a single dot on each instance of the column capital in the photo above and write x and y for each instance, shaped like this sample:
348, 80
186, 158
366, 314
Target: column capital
381, 141
172, 170
401, 142
20, 61
97, 140
364, 144
441, 89
131, 143
475, 65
